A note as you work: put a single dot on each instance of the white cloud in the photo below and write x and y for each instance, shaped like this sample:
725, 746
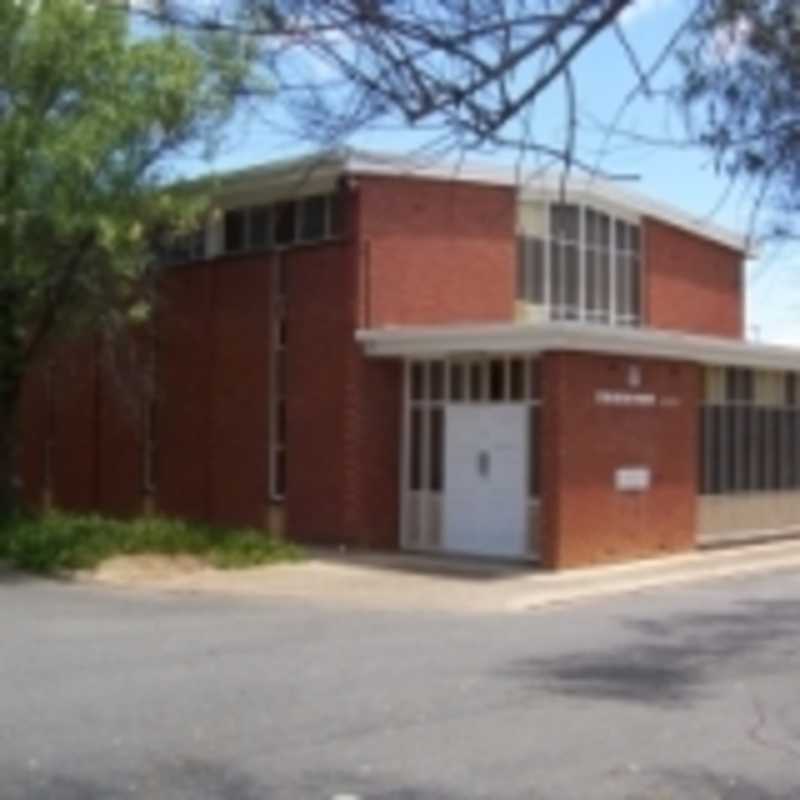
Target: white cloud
729, 40
642, 8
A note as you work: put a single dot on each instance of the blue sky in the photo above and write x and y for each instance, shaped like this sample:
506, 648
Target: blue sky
685, 178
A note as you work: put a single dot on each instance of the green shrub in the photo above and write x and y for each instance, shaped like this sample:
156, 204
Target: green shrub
58, 542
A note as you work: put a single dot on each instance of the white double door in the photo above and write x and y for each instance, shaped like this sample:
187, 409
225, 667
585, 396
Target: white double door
485, 503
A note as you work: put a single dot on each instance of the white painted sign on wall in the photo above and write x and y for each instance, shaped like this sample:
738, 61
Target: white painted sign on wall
632, 479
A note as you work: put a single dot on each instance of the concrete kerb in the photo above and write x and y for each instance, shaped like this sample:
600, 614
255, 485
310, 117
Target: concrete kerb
585, 584
406, 582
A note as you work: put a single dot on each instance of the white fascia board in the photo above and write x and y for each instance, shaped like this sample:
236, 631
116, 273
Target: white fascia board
431, 342
312, 174
549, 185
318, 172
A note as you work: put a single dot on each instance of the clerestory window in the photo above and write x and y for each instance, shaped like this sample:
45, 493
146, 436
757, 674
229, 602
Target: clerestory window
579, 263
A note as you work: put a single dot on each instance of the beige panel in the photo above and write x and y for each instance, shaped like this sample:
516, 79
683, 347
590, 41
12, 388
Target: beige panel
527, 313
533, 219
748, 515
411, 536
434, 516
714, 385
769, 389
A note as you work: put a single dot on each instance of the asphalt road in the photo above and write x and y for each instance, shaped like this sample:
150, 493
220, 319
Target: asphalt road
680, 693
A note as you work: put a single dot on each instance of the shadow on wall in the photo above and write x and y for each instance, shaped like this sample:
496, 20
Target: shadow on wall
669, 663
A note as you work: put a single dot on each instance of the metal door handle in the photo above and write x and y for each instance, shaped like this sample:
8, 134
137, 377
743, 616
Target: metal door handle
484, 463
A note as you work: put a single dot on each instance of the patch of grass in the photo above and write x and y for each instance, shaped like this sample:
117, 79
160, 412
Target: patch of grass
59, 542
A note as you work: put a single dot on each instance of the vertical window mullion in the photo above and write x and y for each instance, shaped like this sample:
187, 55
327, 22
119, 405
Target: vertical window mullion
547, 263
612, 270
581, 263
425, 457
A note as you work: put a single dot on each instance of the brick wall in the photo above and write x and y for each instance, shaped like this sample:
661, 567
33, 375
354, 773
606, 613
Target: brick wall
34, 424
692, 284
213, 392
586, 520
344, 413
120, 397
436, 251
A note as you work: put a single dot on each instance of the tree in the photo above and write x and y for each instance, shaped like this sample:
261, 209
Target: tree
474, 71
91, 113
742, 91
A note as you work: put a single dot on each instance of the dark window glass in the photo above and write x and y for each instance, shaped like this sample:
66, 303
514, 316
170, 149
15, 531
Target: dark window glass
564, 222
476, 381
280, 473
622, 278
739, 385
731, 448
556, 278
285, 219
762, 449
572, 282
536, 380
604, 283
436, 377
622, 235
314, 222
530, 281
746, 435
235, 230
795, 448
787, 450
497, 375
776, 448
260, 227
716, 452
536, 256
437, 449
592, 282
790, 388
603, 231
517, 367
417, 380
591, 227
457, 382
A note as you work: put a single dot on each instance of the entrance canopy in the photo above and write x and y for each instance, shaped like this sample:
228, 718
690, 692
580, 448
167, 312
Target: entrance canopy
508, 338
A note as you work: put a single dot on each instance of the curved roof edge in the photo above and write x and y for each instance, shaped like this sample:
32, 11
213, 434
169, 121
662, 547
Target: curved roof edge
324, 166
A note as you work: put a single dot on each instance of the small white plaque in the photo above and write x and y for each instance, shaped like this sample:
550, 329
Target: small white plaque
632, 479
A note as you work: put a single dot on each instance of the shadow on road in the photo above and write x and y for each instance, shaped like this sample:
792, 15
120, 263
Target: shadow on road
707, 785
668, 662
442, 565
204, 780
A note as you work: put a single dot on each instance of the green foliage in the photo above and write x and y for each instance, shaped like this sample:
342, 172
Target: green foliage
742, 89
93, 116
58, 542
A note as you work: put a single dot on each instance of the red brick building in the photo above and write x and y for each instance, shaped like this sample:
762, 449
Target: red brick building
356, 351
